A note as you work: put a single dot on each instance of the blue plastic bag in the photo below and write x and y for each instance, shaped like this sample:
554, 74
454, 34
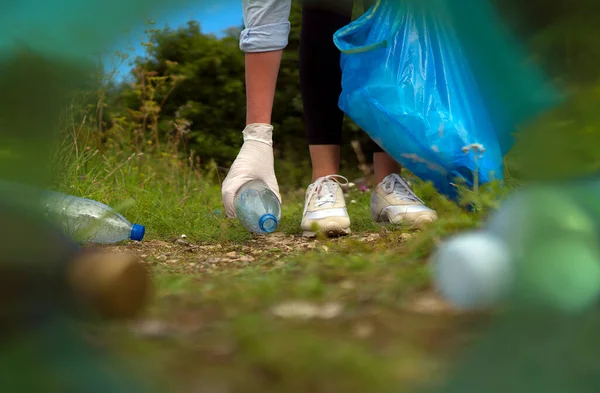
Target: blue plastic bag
408, 81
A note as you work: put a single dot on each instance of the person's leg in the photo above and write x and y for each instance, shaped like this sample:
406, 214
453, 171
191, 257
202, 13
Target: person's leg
265, 36
392, 200
320, 84
384, 165
262, 69
325, 160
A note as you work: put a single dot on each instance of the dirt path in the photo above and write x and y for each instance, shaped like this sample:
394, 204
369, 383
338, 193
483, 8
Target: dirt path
288, 314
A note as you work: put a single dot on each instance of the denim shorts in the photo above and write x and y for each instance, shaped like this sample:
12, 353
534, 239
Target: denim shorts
267, 25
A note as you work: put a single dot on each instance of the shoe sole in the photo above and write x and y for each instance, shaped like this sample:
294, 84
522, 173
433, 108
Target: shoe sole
331, 231
419, 223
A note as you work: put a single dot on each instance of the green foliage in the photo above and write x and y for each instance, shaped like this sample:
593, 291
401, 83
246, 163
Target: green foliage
190, 87
188, 93
560, 34
160, 140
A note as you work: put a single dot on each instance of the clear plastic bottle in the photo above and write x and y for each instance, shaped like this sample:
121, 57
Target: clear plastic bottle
257, 207
89, 221
473, 270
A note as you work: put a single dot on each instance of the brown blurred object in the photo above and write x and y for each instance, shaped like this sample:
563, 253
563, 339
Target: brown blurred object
113, 285
44, 274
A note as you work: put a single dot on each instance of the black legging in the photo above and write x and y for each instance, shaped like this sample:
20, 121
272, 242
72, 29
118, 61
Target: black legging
320, 73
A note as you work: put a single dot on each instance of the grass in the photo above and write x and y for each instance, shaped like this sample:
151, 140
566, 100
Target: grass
237, 313
259, 325
234, 312
241, 313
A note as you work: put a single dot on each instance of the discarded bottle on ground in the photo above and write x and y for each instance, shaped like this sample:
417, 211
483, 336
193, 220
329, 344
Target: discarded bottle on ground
88, 221
257, 207
527, 254
473, 270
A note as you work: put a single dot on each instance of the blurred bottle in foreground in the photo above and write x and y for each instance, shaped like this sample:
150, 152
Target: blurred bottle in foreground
473, 270
539, 249
88, 221
83, 220
257, 208
53, 294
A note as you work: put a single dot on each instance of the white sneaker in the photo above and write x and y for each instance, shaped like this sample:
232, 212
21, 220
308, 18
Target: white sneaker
325, 208
394, 202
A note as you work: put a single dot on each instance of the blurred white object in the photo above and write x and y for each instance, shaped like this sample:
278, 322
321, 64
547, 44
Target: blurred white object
473, 270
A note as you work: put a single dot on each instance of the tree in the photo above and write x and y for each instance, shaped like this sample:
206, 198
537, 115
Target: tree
200, 78
211, 94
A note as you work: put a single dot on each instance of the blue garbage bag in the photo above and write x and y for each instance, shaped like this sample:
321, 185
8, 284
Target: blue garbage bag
421, 87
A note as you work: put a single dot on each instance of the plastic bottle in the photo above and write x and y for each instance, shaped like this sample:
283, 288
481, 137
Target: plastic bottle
473, 270
257, 207
89, 221
527, 253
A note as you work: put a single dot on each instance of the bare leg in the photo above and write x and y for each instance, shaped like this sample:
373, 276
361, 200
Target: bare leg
320, 83
384, 165
325, 160
320, 77
261, 79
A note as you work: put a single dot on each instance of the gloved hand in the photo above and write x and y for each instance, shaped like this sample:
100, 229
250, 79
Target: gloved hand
254, 162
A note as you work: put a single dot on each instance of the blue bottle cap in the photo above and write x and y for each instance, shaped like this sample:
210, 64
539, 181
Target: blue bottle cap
268, 223
137, 232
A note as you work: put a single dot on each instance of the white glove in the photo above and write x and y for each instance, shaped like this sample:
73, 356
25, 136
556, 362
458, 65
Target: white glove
254, 162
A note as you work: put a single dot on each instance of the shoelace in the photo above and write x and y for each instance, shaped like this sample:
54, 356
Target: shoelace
396, 185
324, 189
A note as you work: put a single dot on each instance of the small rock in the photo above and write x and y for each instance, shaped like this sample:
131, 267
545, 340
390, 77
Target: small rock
223, 350
370, 238
305, 310
152, 329
295, 310
347, 285
246, 258
231, 254
429, 303
207, 247
405, 236
330, 310
363, 330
